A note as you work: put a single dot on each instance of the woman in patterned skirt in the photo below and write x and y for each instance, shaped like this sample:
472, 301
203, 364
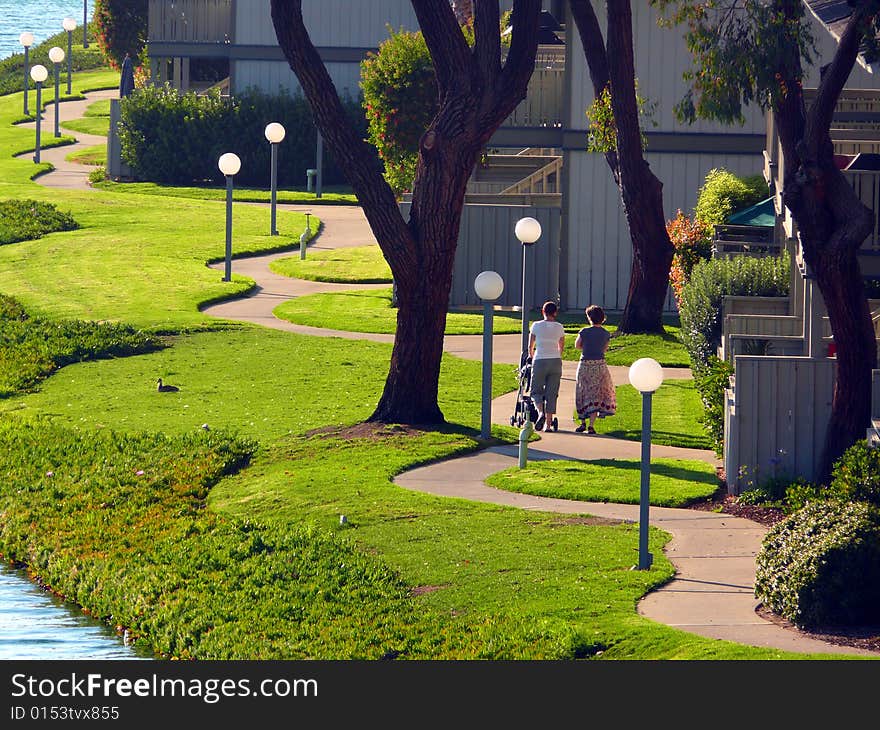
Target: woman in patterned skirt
595, 396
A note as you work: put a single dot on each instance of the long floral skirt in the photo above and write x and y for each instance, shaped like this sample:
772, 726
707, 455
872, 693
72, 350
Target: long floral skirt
594, 392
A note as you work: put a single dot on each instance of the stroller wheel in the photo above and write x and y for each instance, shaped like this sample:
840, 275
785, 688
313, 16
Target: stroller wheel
555, 424
513, 420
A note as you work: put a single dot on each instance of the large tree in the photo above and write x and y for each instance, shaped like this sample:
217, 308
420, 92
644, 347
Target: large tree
478, 90
753, 51
612, 71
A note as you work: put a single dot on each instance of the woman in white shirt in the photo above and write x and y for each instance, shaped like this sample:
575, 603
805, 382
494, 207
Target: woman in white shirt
546, 342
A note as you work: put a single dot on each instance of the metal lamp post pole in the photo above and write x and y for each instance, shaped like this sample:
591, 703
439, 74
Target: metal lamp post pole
26, 39
645, 558
57, 126
39, 119
525, 316
274, 184
69, 59
227, 276
486, 418
85, 23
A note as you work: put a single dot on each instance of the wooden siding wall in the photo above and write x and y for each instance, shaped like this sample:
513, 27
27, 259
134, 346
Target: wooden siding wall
486, 242
778, 419
336, 23
660, 58
272, 77
598, 259
200, 21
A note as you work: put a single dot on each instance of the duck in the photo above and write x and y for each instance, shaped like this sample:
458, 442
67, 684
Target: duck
162, 388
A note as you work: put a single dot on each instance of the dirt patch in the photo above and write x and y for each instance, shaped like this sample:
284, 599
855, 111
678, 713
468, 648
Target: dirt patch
862, 637
422, 590
369, 431
584, 521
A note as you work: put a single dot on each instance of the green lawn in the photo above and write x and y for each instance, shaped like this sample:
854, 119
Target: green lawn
96, 155
358, 265
244, 195
96, 119
226, 541
674, 482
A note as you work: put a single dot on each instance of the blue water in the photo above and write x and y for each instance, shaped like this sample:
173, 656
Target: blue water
43, 18
34, 624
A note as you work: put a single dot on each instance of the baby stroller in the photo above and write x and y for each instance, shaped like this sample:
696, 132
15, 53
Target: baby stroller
525, 408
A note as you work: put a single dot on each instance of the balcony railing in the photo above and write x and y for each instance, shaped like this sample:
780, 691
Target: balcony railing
191, 21
543, 105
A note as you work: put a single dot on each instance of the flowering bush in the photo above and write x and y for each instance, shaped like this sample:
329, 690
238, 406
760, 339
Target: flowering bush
400, 100
692, 242
122, 28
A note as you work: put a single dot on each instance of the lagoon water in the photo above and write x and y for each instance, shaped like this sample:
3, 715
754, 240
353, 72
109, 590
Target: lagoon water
41, 17
35, 624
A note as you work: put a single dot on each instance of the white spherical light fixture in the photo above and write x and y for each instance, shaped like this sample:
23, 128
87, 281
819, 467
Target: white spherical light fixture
39, 73
56, 55
229, 163
26, 39
646, 375
527, 230
274, 132
488, 285
69, 24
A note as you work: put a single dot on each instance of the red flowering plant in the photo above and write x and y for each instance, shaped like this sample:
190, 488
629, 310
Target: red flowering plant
692, 242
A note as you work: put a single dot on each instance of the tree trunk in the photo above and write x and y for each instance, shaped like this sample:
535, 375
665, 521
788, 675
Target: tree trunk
640, 191
477, 93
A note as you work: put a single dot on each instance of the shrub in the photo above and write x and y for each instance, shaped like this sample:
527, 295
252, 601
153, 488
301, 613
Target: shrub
172, 138
710, 382
700, 308
692, 242
821, 565
724, 193
98, 175
121, 28
855, 476
400, 99
25, 220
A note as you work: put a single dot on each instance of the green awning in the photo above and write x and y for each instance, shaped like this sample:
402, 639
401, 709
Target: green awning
760, 214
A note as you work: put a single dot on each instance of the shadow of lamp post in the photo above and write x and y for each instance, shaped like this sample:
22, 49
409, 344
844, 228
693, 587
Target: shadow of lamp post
27, 40
56, 56
229, 165
275, 134
527, 230
39, 74
69, 24
488, 286
645, 375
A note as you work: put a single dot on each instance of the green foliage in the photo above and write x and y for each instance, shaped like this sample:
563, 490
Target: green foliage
740, 58
400, 98
82, 59
692, 242
821, 565
602, 135
799, 493
98, 175
172, 138
121, 28
711, 382
700, 308
25, 220
724, 193
31, 348
855, 476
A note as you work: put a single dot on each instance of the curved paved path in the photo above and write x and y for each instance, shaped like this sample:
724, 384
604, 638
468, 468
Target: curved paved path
714, 555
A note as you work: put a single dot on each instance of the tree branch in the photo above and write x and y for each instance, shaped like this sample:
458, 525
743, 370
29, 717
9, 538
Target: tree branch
513, 82
446, 43
487, 44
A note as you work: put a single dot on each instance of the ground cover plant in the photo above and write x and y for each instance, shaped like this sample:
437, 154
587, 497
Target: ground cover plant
674, 482
358, 265
23, 220
32, 348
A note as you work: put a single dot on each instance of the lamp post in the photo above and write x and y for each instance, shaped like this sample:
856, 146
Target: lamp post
645, 375
56, 56
69, 24
27, 40
527, 230
39, 74
229, 165
275, 134
488, 285
85, 23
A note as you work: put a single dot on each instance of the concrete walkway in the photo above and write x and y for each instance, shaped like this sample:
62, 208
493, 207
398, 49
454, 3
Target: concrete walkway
712, 593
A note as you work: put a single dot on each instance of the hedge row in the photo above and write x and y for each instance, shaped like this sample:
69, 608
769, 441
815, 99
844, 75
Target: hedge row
176, 139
